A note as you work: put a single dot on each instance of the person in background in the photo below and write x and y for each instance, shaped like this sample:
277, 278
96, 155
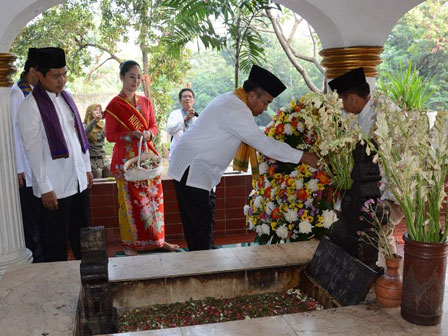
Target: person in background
30, 204
94, 128
181, 119
128, 118
203, 153
57, 149
354, 91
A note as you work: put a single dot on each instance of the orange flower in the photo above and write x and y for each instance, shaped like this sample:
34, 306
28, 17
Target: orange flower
294, 122
322, 177
279, 129
271, 170
267, 192
302, 194
276, 213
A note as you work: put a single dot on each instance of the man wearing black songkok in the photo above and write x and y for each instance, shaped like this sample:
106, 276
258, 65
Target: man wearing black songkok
57, 149
354, 91
205, 151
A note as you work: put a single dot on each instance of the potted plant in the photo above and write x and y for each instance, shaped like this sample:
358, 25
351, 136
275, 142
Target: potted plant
414, 158
388, 287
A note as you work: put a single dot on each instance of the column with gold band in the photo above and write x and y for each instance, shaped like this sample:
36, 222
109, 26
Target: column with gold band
12, 242
338, 61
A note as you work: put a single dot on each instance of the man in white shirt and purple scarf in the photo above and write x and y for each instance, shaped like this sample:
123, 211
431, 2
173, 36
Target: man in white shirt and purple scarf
57, 150
204, 152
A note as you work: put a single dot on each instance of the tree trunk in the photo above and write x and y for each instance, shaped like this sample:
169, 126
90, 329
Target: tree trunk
146, 79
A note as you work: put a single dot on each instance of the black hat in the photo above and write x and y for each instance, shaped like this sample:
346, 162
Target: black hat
31, 61
350, 80
51, 58
266, 80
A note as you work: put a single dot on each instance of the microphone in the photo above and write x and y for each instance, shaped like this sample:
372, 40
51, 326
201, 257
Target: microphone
196, 114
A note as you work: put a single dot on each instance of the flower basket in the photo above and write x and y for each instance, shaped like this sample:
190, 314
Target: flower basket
145, 166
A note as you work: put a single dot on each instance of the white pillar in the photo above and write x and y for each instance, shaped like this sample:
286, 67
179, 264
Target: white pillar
12, 242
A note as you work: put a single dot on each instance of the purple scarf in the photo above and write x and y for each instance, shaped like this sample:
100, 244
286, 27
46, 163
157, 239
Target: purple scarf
53, 129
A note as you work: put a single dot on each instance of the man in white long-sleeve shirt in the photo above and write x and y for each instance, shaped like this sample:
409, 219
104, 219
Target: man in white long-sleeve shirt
57, 150
30, 204
204, 152
181, 119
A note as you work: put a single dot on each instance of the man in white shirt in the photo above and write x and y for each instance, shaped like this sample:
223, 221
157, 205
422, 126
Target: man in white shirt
354, 91
181, 119
30, 204
57, 150
203, 153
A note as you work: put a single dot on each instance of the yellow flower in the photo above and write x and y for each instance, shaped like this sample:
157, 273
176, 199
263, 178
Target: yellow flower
273, 225
305, 215
319, 224
292, 105
290, 226
310, 219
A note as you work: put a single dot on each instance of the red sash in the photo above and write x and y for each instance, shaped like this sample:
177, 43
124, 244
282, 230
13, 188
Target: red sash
129, 116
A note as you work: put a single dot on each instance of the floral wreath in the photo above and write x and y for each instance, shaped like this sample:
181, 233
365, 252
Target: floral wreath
291, 201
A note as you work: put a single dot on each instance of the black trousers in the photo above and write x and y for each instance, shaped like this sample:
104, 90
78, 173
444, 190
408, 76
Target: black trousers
31, 207
72, 215
197, 210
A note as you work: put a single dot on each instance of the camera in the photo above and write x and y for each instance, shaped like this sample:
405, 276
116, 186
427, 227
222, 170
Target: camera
196, 114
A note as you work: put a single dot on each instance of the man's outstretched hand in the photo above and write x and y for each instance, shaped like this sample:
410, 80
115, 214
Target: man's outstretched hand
310, 158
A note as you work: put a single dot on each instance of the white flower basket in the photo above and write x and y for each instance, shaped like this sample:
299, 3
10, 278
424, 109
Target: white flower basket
139, 173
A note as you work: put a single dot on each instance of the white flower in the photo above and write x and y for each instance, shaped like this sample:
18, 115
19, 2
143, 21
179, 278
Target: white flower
282, 232
269, 207
300, 127
305, 226
253, 192
299, 184
288, 129
294, 173
308, 202
312, 184
246, 210
329, 218
267, 184
257, 202
263, 168
266, 229
291, 215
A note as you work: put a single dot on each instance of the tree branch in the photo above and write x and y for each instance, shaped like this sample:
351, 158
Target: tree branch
96, 68
94, 45
289, 53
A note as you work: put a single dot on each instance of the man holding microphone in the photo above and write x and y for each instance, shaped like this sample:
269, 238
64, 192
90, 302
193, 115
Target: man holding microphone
181, 119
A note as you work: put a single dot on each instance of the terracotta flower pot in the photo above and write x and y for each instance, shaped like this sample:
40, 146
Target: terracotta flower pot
424, 272
388, 286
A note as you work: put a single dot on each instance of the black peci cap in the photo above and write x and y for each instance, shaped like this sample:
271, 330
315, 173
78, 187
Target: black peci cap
51, 58
268, 82
31, 60
350, 80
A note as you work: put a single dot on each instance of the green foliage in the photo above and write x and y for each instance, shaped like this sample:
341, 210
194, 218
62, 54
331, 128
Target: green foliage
241, 20
421, 36
407, 88
68, 26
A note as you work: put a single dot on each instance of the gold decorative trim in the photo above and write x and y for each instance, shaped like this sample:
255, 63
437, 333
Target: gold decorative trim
338, 61
7, 68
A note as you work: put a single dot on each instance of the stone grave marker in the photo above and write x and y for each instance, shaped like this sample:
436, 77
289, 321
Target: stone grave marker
345, 277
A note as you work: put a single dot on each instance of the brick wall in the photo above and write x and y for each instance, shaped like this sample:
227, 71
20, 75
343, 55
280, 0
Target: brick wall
231, 196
